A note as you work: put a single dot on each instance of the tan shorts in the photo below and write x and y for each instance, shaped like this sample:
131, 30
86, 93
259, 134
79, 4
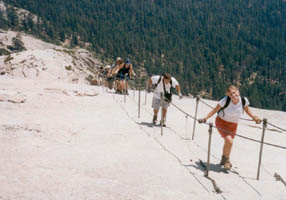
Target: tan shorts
156, 104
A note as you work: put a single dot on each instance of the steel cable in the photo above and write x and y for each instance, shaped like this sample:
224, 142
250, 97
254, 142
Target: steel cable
251, 139
247, 119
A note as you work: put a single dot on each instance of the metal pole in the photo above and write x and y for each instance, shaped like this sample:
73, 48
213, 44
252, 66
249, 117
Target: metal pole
194, 127
124, 96
209, 148
139, 97
125, 88
261, 147
162, 104
135, 86
146, 89
187, 138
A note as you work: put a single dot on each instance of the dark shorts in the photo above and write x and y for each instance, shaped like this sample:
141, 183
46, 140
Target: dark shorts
110, 79
122, 77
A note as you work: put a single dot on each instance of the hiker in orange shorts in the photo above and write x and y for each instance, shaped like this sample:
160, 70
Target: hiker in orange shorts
229, 110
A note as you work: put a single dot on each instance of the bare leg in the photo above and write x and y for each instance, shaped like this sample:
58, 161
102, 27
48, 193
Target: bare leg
228, 141
126, 85
118, 85
122, 85
156, 112
164, 114
155, 116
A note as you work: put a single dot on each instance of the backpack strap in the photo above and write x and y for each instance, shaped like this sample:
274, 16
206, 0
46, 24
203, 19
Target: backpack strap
225, 105
156, 84
243, 103
164, 88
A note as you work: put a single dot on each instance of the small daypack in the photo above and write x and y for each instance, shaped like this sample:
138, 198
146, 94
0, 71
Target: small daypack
227, 103
167, 95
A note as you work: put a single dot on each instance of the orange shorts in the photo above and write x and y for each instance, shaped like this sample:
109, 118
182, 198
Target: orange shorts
225, 128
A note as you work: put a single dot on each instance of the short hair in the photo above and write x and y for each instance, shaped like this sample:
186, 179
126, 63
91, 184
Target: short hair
167, 76
231, 87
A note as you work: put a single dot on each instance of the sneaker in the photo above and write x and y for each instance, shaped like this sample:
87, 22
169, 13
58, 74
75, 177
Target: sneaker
164, 124
154, 119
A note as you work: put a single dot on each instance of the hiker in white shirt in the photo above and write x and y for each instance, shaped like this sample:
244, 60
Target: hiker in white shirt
163, 86
229, 111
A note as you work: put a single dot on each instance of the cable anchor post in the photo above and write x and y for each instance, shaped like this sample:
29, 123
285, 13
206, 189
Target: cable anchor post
146, 91
162, 116
261, 147
209, 149
196, 112
139, 99
125, 87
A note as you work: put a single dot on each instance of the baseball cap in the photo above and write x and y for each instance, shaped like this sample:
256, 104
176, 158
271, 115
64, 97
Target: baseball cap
127, 61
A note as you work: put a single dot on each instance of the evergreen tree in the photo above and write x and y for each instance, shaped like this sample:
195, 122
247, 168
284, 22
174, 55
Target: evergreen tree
207, 45
18, 45
3, 21
13, 19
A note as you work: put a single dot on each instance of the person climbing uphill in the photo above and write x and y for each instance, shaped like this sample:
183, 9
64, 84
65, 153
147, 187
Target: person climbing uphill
124, 73
163, 85
229, 110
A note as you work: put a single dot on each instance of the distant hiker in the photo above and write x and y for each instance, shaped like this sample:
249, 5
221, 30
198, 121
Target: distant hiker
113, 73
101, 75
108, 77
229, 110
162, 85
124, 73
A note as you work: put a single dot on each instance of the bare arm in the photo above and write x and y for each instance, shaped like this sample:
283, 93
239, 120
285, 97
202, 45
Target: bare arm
118, 67
114, 70
109, 73
131, 71
213, 111
210, 114
149, 83
254, 117
178, 88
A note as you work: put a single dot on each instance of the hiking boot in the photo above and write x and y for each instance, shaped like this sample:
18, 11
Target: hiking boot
164, 124
154, 119
227, 165
223, 160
